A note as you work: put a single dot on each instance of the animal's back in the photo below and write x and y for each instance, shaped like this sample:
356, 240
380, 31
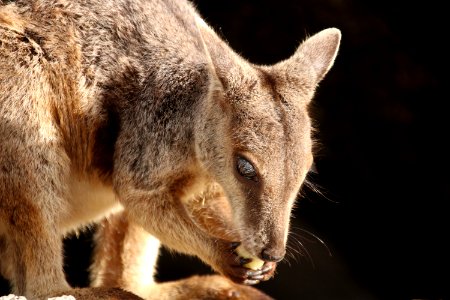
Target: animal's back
96, 41
80, 60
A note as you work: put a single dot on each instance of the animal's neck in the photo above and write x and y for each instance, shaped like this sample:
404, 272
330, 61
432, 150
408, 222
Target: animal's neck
142, 73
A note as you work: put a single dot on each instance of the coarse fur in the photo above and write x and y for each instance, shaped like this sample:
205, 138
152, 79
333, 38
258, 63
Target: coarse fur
137, 107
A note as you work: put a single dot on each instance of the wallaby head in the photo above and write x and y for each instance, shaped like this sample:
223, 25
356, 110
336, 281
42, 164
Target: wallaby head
255, 135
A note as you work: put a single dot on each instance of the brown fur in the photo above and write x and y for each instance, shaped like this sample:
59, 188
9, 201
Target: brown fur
139, 105
125, 256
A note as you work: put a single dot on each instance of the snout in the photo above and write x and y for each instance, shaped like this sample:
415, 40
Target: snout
268, 243
268, 250
272, 246
265, 230
273, 254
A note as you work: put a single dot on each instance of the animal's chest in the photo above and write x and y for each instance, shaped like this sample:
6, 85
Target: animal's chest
89, 201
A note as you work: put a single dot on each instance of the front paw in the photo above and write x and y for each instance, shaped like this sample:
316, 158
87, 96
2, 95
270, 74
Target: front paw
231, 265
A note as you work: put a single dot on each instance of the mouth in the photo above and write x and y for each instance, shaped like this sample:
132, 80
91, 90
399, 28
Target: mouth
255, 263
214, 217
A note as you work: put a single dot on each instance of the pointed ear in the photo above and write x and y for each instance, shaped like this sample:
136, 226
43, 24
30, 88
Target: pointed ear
222, 61
316, 54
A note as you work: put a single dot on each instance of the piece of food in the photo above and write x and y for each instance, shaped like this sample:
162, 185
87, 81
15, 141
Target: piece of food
254, 264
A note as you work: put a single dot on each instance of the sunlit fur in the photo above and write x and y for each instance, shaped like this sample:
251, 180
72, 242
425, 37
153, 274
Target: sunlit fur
140, 105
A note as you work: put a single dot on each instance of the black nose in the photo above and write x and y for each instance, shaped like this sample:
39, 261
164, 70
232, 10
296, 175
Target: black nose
272, 255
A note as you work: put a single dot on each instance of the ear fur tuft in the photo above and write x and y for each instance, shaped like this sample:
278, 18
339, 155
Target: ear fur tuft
317, 52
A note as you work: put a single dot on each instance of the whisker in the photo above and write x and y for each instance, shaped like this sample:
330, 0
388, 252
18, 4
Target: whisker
322, 242
310, 184
303, 251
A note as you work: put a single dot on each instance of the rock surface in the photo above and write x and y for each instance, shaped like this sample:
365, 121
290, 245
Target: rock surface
14, 297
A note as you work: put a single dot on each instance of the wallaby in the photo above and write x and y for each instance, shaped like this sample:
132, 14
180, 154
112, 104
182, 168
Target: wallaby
138, 107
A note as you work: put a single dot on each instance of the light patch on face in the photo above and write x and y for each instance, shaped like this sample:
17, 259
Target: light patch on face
193, 189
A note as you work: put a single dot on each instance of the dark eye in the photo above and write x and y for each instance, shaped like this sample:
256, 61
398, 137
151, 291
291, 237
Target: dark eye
246, 169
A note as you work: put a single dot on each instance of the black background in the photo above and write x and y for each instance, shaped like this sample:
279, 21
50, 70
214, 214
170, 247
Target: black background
382, 121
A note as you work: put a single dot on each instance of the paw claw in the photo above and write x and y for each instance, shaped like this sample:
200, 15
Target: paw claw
253, 273
250, 282
258, 277
267, 267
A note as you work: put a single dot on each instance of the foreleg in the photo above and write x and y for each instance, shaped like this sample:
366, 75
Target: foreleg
125, 256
